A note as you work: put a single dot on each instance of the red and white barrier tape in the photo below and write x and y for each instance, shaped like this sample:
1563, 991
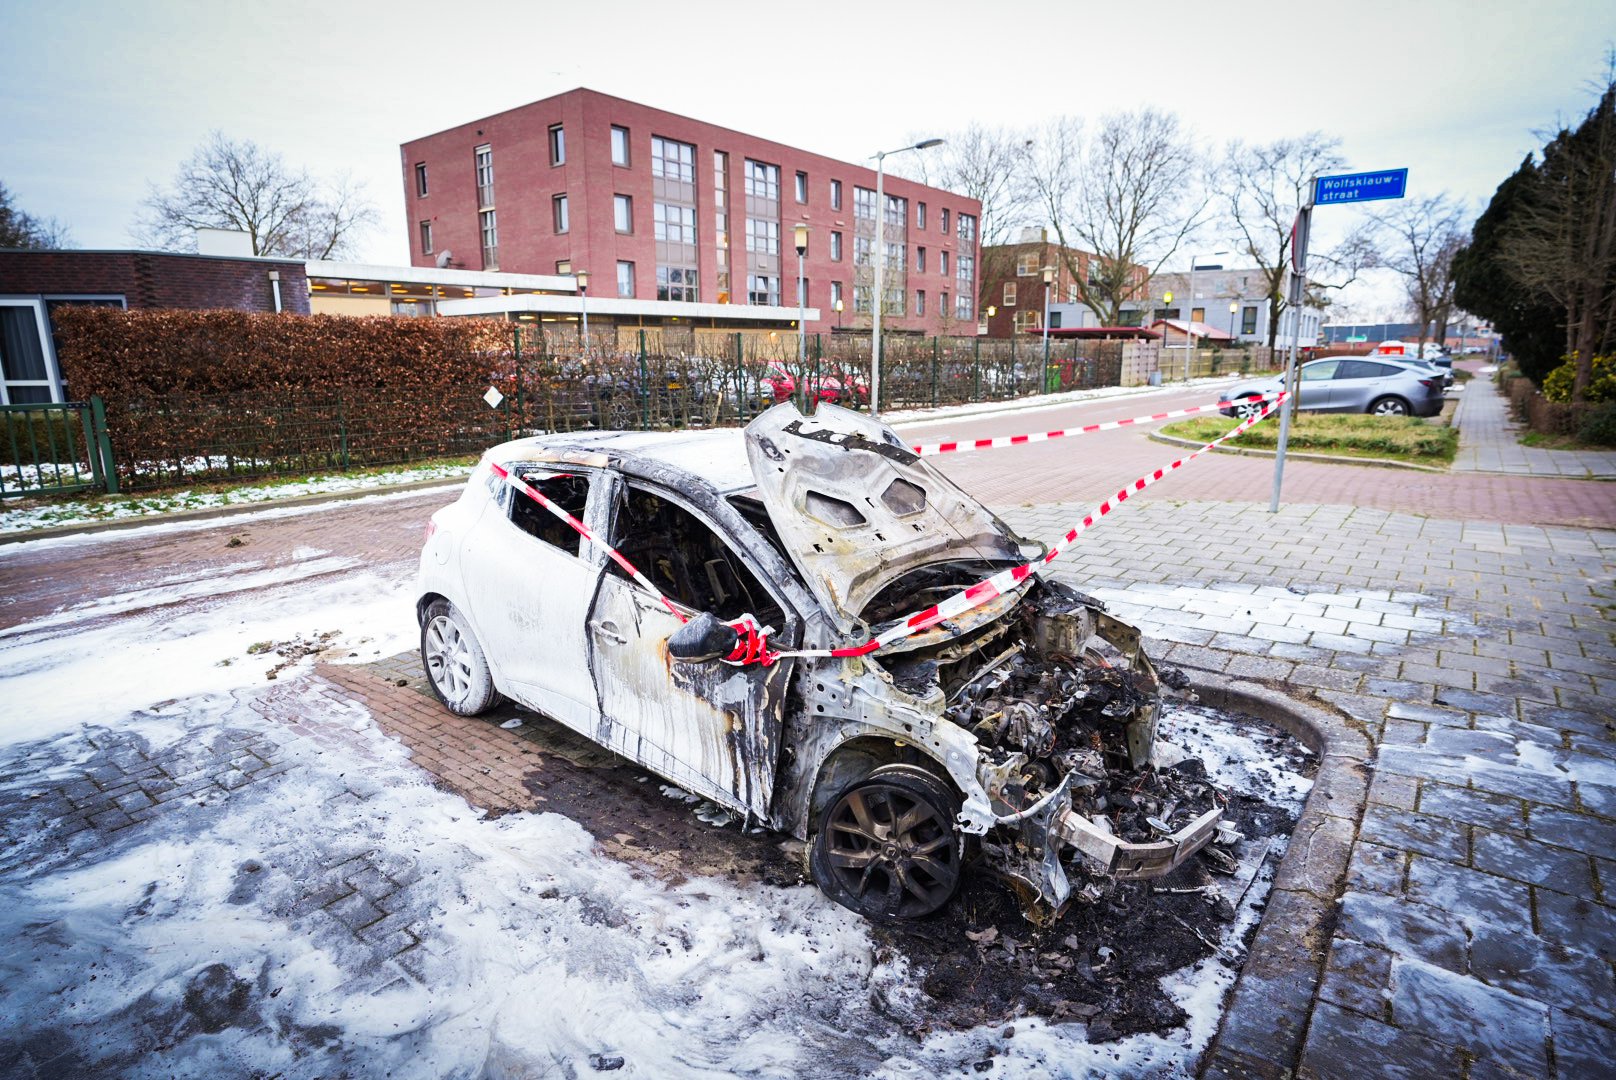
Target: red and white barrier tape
959, 447
1002, 582
752, 645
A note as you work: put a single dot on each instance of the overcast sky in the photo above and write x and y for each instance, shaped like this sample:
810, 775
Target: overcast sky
101, 99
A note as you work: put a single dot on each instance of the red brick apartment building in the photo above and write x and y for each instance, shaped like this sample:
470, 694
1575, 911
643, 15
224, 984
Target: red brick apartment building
675, 218
1013, 281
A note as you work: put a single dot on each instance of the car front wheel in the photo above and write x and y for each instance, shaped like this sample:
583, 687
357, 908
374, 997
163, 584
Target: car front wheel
888, 847
1248, 408
1389, 406
454, 662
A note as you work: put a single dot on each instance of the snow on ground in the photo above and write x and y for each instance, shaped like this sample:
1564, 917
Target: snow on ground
179, 946
126, 507
1158, 608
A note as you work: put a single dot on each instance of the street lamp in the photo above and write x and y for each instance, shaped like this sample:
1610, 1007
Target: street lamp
880, 262
582, 277
838, 308
1234, 308
800, 232
1049, 279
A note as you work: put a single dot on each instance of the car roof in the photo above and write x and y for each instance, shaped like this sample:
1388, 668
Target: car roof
717, 456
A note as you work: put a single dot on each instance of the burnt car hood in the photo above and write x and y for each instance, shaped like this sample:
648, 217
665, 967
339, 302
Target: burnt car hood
856, 509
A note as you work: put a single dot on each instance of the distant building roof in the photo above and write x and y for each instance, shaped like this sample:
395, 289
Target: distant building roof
1199, 329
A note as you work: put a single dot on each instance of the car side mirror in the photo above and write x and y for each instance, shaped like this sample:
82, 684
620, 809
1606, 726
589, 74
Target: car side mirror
702, 639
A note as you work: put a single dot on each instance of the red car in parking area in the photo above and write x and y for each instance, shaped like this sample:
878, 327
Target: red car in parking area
778, 384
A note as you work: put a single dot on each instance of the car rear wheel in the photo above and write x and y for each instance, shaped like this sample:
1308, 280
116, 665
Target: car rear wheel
454, 662
888, 847
1389, 406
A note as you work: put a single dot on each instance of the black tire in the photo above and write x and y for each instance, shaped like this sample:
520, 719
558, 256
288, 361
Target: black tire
454, 661
1248, 406
888, 846
1390, 406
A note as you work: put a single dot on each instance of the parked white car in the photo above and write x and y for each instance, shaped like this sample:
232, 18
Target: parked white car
1012, 726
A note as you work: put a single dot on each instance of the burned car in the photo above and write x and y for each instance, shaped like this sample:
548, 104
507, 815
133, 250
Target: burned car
1018, 734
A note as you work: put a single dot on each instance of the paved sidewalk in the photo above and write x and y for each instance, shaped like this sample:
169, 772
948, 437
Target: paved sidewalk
1476, 931
1488, 442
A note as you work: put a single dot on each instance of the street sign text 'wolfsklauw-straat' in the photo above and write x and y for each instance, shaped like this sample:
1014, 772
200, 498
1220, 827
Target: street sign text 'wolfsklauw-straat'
1360, 187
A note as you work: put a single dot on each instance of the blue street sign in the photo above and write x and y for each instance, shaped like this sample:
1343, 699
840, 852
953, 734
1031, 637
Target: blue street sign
1360, 187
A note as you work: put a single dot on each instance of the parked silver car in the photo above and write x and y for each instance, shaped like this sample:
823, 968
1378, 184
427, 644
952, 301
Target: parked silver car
1021, 730
1352, 385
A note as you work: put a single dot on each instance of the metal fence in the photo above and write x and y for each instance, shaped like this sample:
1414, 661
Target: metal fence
652, 379
55, 448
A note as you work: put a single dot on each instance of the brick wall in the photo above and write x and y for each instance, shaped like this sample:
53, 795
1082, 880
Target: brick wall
156, 280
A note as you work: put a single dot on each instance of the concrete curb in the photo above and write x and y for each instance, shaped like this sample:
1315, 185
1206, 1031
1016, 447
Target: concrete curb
213, 512
1265, 1024
1379, 463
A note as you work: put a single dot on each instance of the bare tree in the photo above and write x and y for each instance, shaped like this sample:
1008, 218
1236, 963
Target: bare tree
19, 229
1260, 188
986, 164
240, 185
1129, 192
1424, 235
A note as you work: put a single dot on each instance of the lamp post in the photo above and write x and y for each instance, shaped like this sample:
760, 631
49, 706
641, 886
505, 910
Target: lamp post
800, 233
1234, 309
1049, 279
838, 307
582, 277
880, 262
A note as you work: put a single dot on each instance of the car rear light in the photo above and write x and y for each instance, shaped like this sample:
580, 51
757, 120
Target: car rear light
1430, 384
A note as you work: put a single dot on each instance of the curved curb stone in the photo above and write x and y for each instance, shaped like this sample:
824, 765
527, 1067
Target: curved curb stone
1264, 1025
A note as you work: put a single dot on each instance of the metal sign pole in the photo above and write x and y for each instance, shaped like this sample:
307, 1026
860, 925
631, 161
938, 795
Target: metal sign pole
1298, 290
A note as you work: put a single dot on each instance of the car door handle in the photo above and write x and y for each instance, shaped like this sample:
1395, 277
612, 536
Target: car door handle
609, 631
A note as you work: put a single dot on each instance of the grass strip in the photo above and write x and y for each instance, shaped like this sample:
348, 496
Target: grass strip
1409, 439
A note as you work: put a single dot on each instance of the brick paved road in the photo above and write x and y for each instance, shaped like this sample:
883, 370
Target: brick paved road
1477, 929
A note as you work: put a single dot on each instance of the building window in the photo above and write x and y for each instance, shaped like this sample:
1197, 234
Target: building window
625, 279
802, 187
564, 266
674, 224
863, 203
895, 303
1248, 320
835, 194
673, 160
1009, 294
490, 234
962, 308
426, 238
485, 176
558, 206
623, 213
1054, 320
1027, 264
763, 290
942, 263
863, 250
895, 256
920, 215
942, 302
861, 299
721, 276
920, 260
835, 247
967, 229
920, 301
558, 145
619, 146
420, 179
1071, 293
762, 237
1027, 320
835, 293
944, 217
676, 283
965, 275
762, 181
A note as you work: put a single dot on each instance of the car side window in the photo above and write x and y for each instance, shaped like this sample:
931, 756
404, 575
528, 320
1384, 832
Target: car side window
1362, 369
686, 559
1321, 369
570, 491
